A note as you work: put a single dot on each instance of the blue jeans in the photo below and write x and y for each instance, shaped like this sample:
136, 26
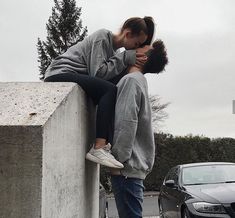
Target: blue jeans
128, 193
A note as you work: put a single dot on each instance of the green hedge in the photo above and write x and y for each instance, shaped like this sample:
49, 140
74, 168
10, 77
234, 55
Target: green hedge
171, 151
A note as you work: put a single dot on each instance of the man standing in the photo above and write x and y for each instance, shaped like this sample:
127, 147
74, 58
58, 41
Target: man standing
133, 136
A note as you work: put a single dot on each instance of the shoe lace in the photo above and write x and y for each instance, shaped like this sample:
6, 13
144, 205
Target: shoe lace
107, 148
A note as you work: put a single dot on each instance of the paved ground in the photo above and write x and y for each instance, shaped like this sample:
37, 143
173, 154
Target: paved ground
150, 207
151, 217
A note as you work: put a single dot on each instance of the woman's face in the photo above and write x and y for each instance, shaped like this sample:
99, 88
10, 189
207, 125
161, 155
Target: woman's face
134, 41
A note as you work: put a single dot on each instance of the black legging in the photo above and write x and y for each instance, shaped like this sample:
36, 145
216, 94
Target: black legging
102, 92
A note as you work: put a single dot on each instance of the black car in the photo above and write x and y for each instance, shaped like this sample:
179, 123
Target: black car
198, 190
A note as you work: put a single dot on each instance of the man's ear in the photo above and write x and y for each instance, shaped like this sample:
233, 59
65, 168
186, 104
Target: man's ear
148, 52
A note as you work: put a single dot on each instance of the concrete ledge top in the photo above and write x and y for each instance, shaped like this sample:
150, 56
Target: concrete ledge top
30, 103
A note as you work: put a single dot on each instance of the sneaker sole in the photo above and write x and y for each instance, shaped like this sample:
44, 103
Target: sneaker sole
99, 161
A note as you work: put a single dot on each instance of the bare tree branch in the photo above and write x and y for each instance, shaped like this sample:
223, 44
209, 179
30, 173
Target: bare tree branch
159, 115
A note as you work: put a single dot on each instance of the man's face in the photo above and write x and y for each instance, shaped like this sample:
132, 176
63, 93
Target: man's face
144, 49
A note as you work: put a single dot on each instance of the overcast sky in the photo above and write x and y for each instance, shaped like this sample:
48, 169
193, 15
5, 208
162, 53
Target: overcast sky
199, 35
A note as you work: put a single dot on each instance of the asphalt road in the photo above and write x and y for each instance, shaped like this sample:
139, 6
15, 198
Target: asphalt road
150, 207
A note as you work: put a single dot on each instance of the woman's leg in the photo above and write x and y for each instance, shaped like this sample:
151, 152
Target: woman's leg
103, 93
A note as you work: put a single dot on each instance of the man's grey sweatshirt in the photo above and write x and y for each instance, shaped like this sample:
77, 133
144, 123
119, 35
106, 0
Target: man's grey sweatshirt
133, 143
94, 56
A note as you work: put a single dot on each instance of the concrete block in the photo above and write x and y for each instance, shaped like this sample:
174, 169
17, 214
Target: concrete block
45, 132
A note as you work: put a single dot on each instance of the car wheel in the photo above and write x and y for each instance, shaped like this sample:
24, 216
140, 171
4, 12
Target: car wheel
186, 213
160, 210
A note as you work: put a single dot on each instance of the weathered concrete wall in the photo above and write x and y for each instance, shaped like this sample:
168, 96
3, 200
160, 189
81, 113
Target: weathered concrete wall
20, 171
45, 131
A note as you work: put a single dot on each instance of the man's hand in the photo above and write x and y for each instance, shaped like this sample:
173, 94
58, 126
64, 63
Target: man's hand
141, 58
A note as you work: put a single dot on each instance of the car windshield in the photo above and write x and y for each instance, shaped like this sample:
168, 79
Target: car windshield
208, 174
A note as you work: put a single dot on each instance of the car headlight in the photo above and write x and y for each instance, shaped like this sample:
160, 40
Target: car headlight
205, 207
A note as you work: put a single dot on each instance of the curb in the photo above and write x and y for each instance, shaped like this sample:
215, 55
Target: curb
143, 217
146, 194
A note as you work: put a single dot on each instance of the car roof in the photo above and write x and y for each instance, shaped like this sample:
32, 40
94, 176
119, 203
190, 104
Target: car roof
204, 164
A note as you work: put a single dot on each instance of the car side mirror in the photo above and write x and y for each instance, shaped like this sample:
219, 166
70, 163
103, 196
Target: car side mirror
170, 183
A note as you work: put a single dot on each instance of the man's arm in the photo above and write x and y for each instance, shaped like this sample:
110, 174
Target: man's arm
126, 118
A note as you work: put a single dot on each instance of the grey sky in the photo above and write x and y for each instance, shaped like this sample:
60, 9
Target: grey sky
199, 35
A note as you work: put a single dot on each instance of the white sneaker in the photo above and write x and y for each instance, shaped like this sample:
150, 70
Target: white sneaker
104, 157
108, 147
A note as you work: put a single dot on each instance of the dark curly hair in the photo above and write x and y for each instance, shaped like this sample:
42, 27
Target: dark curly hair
157, 58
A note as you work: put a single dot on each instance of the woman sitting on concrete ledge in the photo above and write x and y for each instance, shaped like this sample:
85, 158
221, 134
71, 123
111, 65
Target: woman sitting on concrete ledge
91, 63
